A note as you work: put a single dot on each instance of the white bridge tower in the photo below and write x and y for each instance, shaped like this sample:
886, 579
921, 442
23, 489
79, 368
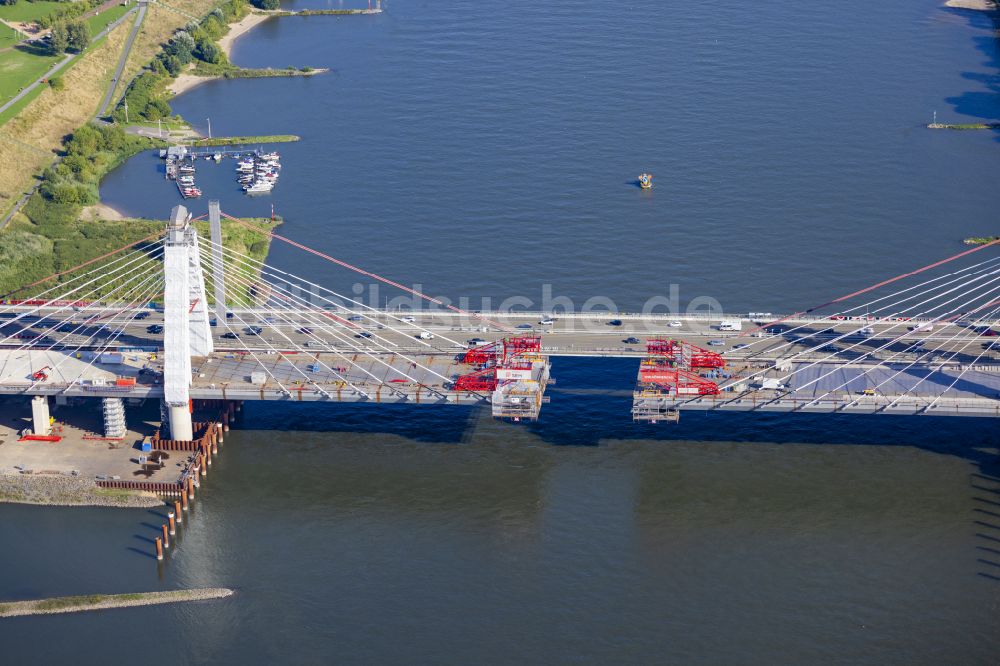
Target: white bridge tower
186, 330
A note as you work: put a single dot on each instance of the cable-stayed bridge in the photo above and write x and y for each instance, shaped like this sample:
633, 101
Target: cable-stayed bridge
227, 326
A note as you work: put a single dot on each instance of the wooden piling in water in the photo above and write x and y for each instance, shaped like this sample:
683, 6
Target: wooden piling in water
177, 512
166, 539
159, 548
173, 524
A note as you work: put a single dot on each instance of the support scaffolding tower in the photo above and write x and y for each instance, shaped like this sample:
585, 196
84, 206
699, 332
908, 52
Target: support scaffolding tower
114, 417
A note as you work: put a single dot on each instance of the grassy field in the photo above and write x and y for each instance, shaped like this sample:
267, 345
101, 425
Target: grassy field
105, 18
18, 68
27, 11
8, 36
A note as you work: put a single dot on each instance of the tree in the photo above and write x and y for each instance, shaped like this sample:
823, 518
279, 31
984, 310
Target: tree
266, 4
59, 38
79, 35
181, 47
208, 52
8, 2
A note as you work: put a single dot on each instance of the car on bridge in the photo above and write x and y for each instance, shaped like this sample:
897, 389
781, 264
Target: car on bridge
524, 326
631, 340
476, 342
547, 322
254, 330
67, 328
407, 319
154, 328
675, 324
230, 335
363, 334
615, 322
716, 343
142, 315
305, 330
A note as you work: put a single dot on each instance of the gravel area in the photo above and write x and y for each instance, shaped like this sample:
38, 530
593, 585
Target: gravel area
59, 490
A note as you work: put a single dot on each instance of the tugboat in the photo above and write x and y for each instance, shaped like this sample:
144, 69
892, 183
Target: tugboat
646, 181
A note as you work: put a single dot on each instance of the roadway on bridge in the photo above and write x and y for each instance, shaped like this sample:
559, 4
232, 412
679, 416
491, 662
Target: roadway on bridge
577, 336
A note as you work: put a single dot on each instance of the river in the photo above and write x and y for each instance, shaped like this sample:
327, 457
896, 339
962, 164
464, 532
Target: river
486, 150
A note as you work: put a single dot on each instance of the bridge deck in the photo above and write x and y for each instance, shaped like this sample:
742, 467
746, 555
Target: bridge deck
837, 387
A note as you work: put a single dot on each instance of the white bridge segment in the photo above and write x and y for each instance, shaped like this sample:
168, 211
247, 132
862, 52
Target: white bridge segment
185, 318
201, 332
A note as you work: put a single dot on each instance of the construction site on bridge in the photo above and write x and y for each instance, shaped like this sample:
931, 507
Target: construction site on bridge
213, 329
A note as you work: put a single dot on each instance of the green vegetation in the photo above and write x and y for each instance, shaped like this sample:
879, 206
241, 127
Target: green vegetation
981, 240
19, 68
965, 126
147, 95
57, 84
69, 36
318, 12
266, 4
106, 18
66, 11
90, 153
244, 140
25, 12
54, 238
240, 73
8, 36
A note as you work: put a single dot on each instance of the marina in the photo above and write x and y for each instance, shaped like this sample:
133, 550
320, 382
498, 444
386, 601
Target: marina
257, 171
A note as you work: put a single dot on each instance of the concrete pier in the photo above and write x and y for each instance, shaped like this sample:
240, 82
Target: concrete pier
40, 415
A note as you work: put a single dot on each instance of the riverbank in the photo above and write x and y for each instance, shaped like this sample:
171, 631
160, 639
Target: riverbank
239, 28
59, 490
187, 81
964, 126
244, 140
105, 601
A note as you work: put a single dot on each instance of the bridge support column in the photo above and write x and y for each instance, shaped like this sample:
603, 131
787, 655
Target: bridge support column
114, 417
180, 423
40, 415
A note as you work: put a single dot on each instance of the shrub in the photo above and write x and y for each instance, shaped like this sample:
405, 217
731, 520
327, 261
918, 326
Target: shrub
57, 84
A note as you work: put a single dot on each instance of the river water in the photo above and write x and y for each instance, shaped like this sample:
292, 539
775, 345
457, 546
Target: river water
486, 150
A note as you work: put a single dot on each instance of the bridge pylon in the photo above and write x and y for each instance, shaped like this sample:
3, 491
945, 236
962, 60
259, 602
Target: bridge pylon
186, 330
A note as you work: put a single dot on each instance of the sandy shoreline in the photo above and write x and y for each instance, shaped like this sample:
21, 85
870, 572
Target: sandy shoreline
101, 211
185, 82
977, 5
238, 28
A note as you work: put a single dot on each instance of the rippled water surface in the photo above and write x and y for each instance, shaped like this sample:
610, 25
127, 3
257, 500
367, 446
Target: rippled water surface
484, 149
